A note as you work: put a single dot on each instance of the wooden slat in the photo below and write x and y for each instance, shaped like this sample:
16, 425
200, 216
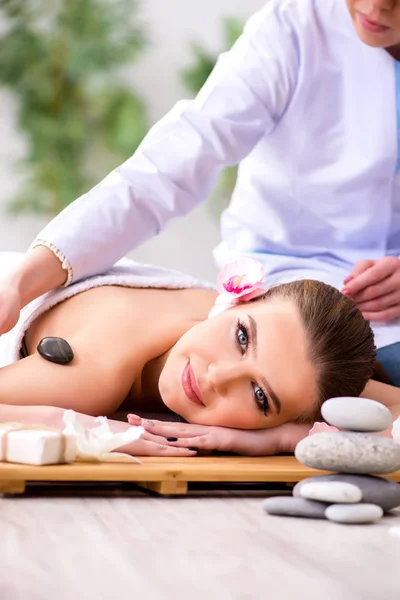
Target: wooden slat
284, 469
14, 486
165, 487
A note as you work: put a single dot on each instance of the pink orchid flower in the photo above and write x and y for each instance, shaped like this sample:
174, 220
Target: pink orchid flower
239, 281
321, 428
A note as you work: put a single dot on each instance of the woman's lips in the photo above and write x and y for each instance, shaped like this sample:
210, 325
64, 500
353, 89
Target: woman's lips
371, 26
190, 386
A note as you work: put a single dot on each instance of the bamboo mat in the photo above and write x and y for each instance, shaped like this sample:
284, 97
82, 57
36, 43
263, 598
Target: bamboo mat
163, 475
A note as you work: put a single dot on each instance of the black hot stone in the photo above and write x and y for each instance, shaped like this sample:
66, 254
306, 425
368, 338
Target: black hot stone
56, 350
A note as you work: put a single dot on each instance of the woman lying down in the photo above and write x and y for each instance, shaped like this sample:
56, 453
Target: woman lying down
247, 369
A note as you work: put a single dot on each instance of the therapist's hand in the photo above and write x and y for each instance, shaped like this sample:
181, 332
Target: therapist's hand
259, 442
375, 287
39, 272
10, 305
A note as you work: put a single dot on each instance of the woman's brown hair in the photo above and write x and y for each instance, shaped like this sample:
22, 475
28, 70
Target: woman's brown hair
340, 341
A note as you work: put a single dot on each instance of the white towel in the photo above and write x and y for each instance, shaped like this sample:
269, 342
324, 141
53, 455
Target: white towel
125, 273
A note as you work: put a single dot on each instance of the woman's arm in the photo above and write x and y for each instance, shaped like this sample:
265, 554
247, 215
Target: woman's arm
91, 385
106, 359
261, 442
258, 442
35, 391
50, 416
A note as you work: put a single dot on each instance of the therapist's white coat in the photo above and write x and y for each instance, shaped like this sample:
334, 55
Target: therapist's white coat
311, 112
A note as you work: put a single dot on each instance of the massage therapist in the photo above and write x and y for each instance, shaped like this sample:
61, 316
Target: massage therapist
308, 102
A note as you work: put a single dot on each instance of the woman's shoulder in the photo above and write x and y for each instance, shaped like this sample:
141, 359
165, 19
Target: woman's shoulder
121, 319
136, 274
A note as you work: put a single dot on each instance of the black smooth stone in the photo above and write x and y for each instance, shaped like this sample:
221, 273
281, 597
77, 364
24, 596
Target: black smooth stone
56, 350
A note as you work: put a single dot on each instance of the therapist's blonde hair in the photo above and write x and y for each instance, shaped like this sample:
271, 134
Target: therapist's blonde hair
340, 341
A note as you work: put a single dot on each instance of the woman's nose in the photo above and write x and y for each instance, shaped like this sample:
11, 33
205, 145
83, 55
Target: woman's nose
222, 374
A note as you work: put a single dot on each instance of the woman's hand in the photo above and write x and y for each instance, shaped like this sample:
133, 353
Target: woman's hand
374, 285
259, 442
150, 444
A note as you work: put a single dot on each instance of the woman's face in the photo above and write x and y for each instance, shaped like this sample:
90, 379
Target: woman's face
377, 22
246, 368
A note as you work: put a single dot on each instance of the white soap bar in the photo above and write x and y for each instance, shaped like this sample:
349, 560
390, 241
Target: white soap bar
37, 447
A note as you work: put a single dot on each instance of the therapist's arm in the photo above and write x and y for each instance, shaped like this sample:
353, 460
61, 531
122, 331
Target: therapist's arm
39, 272
178, 162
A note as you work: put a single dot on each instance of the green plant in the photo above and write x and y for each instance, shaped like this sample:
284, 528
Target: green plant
62, 61
194, 77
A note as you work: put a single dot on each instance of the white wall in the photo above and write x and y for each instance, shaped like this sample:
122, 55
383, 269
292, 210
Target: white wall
187, 243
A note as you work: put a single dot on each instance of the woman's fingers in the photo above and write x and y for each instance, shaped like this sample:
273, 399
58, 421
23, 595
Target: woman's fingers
149, 448
168, 429
136, 420
156, 439
167, 439
157, 443
200, 442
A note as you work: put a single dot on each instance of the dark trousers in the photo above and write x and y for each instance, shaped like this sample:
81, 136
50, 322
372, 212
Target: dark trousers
389, 358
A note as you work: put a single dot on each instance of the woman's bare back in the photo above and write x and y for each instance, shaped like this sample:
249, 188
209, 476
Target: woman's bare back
114, 332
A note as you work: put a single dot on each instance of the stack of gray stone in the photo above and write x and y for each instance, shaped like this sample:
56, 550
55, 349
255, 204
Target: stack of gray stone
351, 495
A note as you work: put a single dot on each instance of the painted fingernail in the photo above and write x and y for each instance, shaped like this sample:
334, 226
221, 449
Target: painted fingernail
172, 439
148, 422
346, 292
193, 449
348, 278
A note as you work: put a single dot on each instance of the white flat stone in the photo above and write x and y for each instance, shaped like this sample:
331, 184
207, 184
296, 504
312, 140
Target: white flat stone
375, 490
356, 414
348, 452
353, 513
331, 491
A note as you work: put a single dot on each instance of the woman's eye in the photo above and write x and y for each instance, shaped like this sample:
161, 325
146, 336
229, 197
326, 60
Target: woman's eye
242, 337
260, 398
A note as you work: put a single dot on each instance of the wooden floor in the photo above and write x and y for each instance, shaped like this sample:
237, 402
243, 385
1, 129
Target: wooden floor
117, 542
